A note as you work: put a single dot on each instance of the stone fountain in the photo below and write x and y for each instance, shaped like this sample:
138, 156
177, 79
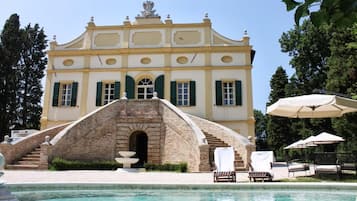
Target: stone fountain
127, 161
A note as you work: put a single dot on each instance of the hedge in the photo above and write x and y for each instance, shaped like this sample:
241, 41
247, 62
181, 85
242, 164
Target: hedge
181, 167
62, 164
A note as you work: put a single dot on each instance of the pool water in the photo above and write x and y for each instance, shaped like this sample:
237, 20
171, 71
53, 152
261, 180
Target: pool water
186, 195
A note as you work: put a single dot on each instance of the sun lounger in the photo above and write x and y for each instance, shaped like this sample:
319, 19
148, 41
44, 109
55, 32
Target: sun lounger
261, 166
348, 162
296, 166
224, 161
326, 163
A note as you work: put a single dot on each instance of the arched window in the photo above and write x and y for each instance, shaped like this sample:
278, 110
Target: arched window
145, 89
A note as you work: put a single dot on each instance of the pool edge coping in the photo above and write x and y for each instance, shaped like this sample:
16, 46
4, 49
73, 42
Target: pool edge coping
16, 187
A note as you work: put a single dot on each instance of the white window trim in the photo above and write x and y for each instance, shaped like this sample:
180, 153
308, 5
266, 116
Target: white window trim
183, 94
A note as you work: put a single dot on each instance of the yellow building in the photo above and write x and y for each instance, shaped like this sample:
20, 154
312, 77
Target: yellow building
200, 71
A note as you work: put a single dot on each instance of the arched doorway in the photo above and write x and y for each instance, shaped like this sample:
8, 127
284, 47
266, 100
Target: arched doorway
139, 144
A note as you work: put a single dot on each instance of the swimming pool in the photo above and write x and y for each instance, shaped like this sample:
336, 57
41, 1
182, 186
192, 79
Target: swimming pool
220, 192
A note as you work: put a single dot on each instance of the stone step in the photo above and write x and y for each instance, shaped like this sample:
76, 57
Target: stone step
29, 161
214, 142
22, 167
31, 155
30, 158
25, 162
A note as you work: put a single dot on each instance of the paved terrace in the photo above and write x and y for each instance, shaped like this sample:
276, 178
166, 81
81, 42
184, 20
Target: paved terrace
20, 176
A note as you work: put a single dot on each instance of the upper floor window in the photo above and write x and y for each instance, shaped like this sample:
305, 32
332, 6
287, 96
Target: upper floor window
145, 89
183, 93
65, 94
228, 92
107, 92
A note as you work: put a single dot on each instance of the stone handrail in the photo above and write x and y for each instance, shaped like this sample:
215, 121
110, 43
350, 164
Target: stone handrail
201, 138
240, 143
14, 151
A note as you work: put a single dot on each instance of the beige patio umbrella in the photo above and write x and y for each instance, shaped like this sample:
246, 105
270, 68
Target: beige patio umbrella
324, 138
296, 145
312, 106
302, 144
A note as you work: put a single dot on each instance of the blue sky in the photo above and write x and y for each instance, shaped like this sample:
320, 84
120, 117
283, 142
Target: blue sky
264, 20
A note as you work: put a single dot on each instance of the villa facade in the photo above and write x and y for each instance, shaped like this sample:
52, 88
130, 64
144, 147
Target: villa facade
200, 71
170, 92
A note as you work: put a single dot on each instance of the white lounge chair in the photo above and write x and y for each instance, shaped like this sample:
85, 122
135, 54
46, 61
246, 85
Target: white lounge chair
261, 166
224, 161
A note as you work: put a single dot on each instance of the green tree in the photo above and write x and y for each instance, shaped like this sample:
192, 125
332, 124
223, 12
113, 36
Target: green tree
10, 47
22, 64
278, 128
309, 50
337, 12
30, 71
342, 78
260, 130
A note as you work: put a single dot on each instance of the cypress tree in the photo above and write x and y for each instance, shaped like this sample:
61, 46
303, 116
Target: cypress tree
30, 71
278, 128
22, 64
10, 48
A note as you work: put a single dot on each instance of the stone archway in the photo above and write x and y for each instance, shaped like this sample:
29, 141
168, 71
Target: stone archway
138, 142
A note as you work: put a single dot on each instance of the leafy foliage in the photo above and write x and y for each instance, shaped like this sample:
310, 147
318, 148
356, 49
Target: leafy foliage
181, 167
322, 59
342, 78
309, 51
30, 71
62, 164
337, 12
278, 128
260, 130
10, 47
22, 64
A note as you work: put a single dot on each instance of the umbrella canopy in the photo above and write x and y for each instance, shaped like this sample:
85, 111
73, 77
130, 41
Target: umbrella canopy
309, 141
312, 106
297, 145
324, 138
301, 144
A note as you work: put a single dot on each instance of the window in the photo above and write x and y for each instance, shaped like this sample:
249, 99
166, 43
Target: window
228, 92
145, 89
183, 93
65, 94
108, 93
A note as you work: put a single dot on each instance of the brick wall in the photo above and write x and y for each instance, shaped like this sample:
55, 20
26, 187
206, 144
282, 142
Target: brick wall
106, 131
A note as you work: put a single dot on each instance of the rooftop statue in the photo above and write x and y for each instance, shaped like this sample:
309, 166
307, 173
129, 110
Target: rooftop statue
148, 10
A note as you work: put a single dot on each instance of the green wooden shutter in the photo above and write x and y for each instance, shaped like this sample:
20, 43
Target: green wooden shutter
56, 89
116, 90
74, 94
192, 93
160, 86
218, 92
238, 92
173, 92
98, 98
129, 87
